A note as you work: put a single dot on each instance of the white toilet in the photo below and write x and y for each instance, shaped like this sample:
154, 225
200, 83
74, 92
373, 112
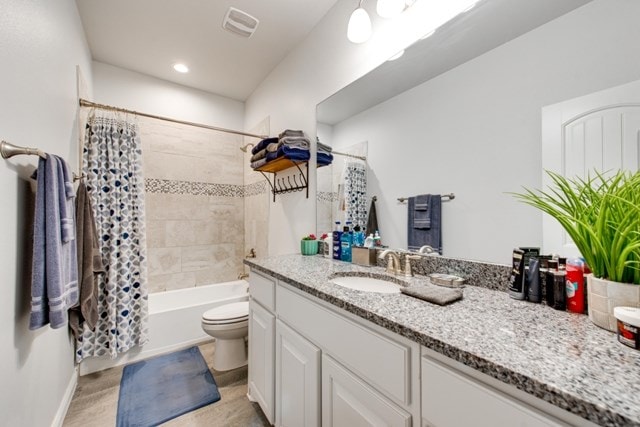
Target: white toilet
229, 325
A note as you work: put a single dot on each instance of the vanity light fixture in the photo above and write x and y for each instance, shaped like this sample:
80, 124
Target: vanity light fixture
181, 68
359, 28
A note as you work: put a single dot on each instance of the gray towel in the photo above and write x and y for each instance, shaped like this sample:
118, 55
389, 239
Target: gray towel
263, 153
54, 284
418, 237
258, 163
372, 219
323, 148
291, 132
432, 293
422, 212
294, 142
89, 263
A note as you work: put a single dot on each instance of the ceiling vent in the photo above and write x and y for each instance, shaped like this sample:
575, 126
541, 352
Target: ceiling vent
239, 22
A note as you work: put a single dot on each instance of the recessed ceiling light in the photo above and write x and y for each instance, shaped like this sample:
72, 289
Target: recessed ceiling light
181, 68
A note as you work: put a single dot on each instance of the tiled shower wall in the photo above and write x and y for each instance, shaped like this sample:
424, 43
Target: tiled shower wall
194, 205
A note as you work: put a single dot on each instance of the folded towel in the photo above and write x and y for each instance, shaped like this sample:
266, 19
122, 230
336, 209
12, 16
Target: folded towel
271, 156
89, 263
263, 153
263, 144
432, 293
422, 213
272, 148
294, 142
290, 132
54, 284
293, 153
432, 236
258, 163
324, 159
323, 148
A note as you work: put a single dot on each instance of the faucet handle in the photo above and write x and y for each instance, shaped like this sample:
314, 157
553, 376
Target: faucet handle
407, 264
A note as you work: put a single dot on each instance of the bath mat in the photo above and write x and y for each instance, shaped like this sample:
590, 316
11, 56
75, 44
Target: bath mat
156, 390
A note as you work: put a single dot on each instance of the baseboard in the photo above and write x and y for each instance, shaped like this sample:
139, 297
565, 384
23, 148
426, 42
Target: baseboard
61, 413
96, 364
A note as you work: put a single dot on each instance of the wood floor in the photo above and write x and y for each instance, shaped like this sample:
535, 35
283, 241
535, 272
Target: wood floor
95, 401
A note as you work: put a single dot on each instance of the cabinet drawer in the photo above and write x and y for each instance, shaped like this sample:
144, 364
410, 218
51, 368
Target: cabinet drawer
381, 361
451, 399
262, 289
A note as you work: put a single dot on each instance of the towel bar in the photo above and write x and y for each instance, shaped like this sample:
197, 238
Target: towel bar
8, 150
449, 196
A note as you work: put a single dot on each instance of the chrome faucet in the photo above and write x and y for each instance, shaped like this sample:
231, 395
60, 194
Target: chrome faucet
393, 265
426, 249
407, 264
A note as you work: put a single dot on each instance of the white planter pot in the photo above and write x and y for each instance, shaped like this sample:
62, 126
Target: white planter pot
603, 295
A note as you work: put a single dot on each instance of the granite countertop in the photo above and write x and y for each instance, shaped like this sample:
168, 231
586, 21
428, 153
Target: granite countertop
559, 357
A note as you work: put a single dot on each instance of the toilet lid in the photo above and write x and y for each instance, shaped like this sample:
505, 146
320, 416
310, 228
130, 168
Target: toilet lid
233, 311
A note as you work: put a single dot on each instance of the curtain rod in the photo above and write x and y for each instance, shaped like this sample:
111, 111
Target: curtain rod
85, 103
349, 155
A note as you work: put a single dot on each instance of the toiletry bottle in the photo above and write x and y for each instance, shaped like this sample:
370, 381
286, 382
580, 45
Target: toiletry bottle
534, 293
552, 268
345, 245
575, 285
337, 234
328, 245
376, 239
368, 242
516, 280
358, 236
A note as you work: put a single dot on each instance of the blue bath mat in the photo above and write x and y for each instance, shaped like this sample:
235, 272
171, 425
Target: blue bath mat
156, 390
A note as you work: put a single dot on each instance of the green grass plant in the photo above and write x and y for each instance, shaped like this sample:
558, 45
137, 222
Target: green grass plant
602, 216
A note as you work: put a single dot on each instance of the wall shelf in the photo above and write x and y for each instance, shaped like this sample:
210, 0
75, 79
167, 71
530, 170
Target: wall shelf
289, 184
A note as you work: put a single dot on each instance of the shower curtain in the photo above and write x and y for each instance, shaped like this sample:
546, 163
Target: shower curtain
112, 164
355, 193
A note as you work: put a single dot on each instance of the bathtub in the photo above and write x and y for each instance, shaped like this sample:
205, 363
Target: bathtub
174, 321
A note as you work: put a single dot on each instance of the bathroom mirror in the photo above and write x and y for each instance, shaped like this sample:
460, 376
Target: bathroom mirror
460, 112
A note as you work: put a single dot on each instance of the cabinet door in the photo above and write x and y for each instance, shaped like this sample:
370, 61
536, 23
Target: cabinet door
450, 399
297, 379
347, 401
261, 360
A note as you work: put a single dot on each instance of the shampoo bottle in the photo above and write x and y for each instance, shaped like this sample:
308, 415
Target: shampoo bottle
337, 234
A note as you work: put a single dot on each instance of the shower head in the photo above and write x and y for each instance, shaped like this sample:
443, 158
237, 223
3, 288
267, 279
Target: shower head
246, 146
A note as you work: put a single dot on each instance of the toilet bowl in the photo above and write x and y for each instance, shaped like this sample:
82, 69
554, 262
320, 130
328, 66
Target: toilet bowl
229, 325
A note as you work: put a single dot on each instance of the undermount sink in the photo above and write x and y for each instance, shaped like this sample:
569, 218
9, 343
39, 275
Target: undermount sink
367, 284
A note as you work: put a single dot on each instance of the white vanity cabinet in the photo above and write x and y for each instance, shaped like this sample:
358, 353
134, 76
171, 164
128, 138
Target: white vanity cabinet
332, 368
262, 326
297, 379
454, 395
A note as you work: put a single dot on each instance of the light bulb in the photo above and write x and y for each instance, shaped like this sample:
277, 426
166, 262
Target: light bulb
390, 8
181, 68
359, 29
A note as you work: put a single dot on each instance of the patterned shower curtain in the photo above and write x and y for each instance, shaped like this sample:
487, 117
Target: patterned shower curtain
355, 189
112, 163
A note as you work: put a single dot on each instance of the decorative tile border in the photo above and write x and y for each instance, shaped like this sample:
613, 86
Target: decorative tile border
166, 186
327, 196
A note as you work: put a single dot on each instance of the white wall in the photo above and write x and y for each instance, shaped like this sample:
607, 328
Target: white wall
134, 91
41, 42
321, 65
474, 130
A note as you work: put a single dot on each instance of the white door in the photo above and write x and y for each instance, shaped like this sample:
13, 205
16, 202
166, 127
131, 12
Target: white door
597, 132
297, 379
261, 360
347, 401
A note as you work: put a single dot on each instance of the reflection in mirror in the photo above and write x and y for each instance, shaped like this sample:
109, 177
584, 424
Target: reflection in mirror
342, 186
460, 112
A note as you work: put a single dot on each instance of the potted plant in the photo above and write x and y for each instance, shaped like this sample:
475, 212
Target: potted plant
309, 245
602, 216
